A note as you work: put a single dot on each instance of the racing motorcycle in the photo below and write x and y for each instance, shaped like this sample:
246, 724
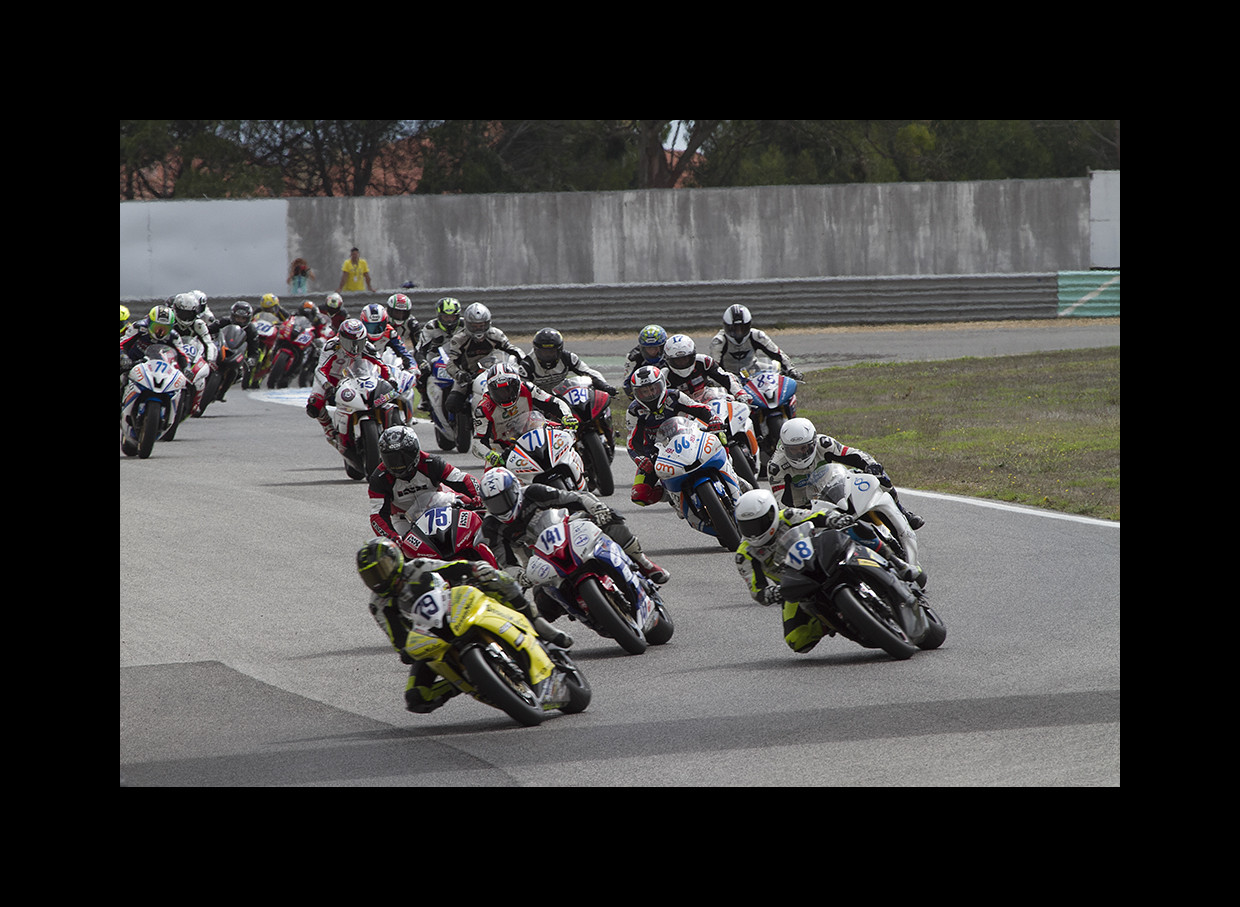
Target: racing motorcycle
451, 429
294, 340
837, 488
232, 343
742, 442
155, 402
365, 405
774, 402
491, 652
314, 355
543, 452
447, 530
856, 593
266, 340
202, 378
694, 469
596, 438
594, 581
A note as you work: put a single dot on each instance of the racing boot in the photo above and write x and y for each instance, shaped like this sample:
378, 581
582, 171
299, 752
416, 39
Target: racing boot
550, 634
633, 548
914, 521
905, 570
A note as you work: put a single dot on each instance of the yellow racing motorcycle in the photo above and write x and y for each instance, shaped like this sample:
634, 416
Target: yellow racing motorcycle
491, 652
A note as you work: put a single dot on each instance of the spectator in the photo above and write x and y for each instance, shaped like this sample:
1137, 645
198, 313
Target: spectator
299, 276
354, 274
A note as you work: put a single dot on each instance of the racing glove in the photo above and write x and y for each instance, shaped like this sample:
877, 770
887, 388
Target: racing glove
772, 595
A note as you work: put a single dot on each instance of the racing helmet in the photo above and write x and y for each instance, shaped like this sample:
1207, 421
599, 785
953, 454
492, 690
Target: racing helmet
681, 354
309, 310
548, 344
501, 493
352, 337
757, 515
737, 322
333, 302
124, 318
159, 322
400, 451
185, 307
374, 318
380, 564
650, 340
448, 310
399, 306
799, 440
270, 301
503, 384
649, 387
477, 319
241, 312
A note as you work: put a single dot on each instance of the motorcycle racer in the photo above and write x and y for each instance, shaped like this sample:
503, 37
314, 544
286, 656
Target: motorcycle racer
738, 343
190, 326
396, 583
156, 327
549, 363
504, 409
802, 450
383, 334
511, 505
242, 315
654, 403
405, 480
349, 345
400, 313
333, 308
433, 335
270, 306
759, 558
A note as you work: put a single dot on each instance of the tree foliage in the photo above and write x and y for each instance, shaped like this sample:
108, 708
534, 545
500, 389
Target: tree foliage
267, 158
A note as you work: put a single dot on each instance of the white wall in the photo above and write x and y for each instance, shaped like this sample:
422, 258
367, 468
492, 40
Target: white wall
223, 248
1104, 219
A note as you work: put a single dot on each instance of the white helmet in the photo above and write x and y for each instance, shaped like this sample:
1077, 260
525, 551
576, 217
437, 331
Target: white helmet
503, 384
736, 322
477, 319
757, 516
681, 354
799, 440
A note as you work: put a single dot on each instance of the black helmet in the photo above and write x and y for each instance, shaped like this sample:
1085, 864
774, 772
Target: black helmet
242, 312
380, 564
548, 344
400, 451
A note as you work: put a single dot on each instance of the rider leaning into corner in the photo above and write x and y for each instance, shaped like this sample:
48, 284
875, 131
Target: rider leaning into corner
397, 582
763, 523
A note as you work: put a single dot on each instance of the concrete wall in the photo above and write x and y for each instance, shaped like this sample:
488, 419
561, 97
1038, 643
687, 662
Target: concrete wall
243, 248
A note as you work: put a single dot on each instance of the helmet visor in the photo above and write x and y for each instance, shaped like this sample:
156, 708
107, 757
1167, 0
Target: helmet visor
503, 503
159, 331
649, 395
505, 391
380, 573
758, 526
737, 332
682, 363
352, 346
799, 454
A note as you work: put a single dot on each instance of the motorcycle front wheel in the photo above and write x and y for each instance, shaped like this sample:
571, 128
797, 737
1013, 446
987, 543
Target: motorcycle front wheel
600, 466
370, 445
877, 628
496, 674
612, 617
720, 517
148, 431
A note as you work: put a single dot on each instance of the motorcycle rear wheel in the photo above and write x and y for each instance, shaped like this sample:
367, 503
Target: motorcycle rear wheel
501, 685
872, 626
612, 617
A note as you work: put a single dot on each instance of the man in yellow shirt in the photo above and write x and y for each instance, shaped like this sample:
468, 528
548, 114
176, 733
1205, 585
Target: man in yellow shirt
354, 274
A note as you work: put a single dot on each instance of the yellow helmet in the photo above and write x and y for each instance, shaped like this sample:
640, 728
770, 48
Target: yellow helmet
124, 318
270, 301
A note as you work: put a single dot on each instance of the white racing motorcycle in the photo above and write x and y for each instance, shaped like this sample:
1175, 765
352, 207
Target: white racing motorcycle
837, 488
695, 470
155, 401
539, 451
365, 404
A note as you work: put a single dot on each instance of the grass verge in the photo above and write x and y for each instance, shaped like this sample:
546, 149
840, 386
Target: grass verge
1040, 429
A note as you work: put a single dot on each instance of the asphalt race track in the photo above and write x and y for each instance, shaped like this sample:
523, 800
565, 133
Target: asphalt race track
248, 658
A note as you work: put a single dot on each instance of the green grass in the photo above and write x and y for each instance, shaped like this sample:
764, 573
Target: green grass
1040, 429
